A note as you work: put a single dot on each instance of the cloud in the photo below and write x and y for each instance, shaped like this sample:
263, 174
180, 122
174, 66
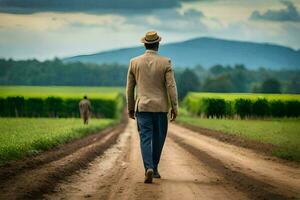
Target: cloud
84, 25
290, 13
191, 13
72, 30
95, 22
94, 6
170, 20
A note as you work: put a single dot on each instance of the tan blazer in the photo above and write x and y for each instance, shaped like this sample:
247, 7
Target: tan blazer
84, 107
153, 77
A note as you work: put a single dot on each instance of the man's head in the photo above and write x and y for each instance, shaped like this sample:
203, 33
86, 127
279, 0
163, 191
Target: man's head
152, 46
151, 40
85, 97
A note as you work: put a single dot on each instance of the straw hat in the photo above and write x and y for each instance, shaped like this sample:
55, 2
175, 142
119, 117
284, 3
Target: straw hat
151, 37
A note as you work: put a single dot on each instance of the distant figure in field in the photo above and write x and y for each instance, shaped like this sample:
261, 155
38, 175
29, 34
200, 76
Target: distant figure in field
156, 95
85, 108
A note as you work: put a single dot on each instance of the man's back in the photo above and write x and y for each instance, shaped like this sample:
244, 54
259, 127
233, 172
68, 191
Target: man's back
84, 105
153, 76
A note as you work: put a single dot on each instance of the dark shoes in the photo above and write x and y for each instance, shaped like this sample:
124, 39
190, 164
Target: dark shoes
156, 174
148, 176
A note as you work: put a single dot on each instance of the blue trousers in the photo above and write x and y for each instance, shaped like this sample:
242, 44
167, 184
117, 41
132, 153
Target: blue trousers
152, 127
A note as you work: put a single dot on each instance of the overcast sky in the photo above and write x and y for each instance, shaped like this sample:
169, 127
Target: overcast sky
46, 29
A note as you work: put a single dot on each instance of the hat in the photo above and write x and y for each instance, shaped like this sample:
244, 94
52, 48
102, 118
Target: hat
151, 37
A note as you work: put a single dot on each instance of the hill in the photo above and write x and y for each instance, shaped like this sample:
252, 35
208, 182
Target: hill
208, 52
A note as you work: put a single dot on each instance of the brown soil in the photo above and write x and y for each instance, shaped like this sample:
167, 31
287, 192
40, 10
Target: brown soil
232, 139
258, 175
33, 176
16, 167
193, 166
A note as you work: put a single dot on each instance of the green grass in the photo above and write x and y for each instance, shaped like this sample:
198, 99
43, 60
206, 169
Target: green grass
20, 137
61, 91
252, 96
284, 133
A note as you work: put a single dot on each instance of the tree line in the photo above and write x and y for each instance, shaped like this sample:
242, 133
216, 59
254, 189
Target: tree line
218, 78
238, 79
56, 72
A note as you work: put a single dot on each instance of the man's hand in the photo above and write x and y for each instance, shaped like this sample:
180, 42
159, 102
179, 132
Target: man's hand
173, 115
131, 114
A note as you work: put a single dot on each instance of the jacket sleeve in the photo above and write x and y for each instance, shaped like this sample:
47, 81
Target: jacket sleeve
171, 86
130, 88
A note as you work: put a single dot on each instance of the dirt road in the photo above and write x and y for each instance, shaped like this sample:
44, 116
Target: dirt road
193, 166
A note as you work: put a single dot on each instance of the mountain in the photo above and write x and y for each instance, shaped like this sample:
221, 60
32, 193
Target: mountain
208, 52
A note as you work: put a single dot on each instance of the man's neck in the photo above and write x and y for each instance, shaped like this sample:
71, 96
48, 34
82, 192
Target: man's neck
151, 51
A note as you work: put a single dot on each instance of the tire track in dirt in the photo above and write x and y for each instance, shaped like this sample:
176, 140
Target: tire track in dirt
259, 147
255, 188
259, 176
31, 183
183, 176
101, 174
193, 166
14, 168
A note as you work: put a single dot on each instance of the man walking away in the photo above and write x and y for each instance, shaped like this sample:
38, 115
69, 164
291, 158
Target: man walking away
85, 108
156, 90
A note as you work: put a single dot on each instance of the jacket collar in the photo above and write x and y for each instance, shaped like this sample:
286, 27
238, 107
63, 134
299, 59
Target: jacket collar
151, 51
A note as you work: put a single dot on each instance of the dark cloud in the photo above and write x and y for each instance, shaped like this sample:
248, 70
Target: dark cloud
290, 13
94, 6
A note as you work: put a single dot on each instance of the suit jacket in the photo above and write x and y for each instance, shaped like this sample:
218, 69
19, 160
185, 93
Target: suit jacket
153, 77
84, 106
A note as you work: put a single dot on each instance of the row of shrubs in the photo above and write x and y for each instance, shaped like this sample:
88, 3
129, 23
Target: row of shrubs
244, 108
56, 107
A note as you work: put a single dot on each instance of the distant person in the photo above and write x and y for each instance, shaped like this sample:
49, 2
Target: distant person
156, 89
85, 108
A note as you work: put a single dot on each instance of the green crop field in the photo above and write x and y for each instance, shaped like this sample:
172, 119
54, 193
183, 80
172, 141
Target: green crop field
252, 96
284, 133
20, 137
59, 101
222, 105
60, 91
